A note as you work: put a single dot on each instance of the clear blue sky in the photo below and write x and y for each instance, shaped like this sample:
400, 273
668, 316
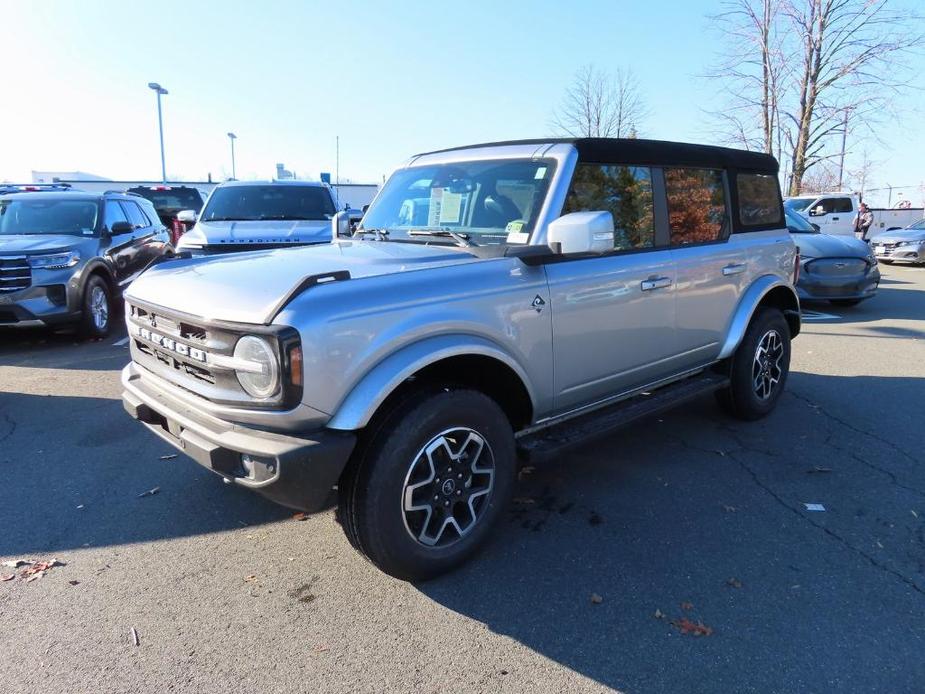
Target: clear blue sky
391, 79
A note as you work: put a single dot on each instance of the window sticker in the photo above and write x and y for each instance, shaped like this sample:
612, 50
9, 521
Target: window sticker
451, 208
436, 203
540, 173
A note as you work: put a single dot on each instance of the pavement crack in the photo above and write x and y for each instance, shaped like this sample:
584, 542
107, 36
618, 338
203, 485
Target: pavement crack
828, 531
12, 426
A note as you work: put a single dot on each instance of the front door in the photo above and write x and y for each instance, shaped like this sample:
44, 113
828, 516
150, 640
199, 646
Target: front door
122, 251
613, 315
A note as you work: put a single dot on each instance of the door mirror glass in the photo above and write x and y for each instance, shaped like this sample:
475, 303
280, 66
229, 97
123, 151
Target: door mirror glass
121, 227
340, 225
582, 232
186, 216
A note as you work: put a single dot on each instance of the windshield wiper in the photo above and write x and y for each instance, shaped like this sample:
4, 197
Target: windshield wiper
380, 234
460, 238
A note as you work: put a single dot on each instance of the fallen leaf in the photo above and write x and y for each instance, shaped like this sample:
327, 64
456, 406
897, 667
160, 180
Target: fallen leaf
300, 516
7, 577
250, 579
150, 492
74, 583
688, 627
734, 582
687, 606
596, 599
169, 456
659, 614
38, 569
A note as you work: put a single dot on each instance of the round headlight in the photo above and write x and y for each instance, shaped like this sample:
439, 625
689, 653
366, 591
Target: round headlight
260, 377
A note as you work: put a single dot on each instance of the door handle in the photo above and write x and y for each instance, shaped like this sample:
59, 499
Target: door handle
734, 269
834, 219
655, 283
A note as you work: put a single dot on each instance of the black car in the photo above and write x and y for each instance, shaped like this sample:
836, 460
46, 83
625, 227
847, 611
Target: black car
170, 200
65, 256
839, 269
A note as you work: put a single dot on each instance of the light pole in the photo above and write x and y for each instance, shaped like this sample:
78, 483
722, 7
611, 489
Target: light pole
844, 138
160, 124
232, 137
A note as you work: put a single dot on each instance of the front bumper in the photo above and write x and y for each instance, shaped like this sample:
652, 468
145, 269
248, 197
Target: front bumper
296, 472
814, 287
900, 254
36, 307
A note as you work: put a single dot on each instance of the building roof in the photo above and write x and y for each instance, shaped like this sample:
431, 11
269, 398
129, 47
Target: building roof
652, 152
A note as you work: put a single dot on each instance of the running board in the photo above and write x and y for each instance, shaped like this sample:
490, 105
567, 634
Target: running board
600, 423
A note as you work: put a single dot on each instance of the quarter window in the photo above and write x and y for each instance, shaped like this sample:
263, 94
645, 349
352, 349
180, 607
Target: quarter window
759, 202
625, 192
696, 205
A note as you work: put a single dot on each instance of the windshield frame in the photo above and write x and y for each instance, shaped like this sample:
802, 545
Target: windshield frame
404, 178
215, 197
33, 199
789, 205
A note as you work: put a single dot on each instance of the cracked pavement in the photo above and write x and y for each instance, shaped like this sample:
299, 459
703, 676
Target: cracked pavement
228, 593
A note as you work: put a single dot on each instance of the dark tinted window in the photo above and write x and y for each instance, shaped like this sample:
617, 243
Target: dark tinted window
835, 205
759, 202
135, 216
112, 213
696, 205
43, 216
171, 200
625, 192
269, 202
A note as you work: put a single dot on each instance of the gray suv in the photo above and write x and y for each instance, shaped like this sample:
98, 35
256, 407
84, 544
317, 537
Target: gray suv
499, 302
65, 255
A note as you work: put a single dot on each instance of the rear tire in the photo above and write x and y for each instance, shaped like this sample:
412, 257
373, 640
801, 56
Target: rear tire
428, 482
96, 317
759, 368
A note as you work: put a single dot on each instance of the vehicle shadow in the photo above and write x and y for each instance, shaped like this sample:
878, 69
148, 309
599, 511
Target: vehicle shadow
696, 517
890, 303
73, 469
63, 348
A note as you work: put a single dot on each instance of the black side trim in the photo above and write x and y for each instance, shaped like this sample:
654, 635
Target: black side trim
306, 283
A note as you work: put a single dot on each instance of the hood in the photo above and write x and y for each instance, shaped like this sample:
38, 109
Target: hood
261, 231
40, 243
830, 246
246, 287
896, 236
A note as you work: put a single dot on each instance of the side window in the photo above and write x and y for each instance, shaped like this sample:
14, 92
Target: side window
135, 215
696, 205
759, 201
625, 192
842, 205
112, 213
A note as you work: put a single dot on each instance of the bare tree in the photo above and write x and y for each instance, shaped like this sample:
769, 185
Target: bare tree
798, 73
598, 104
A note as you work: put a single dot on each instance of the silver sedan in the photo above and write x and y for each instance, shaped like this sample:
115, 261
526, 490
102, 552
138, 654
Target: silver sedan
902, 245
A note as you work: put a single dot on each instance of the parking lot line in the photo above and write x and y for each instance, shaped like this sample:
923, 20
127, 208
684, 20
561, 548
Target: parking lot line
119, 343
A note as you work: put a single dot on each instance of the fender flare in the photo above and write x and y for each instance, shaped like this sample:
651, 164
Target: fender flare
749, 303
93, 266
368, 394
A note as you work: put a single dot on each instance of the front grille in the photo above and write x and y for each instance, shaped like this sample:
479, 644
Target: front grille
885, 248
837, 267
15, 274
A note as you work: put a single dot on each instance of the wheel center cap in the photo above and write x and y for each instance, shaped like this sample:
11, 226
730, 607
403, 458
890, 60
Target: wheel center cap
448, 487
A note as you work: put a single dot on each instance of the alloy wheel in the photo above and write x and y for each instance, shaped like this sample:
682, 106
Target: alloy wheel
766, 367
99, 307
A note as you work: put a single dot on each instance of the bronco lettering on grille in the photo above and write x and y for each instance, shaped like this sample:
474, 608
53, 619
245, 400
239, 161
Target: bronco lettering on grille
169, 344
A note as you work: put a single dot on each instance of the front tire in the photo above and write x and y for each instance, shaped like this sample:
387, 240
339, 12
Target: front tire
429, 482
96, 318
759, 368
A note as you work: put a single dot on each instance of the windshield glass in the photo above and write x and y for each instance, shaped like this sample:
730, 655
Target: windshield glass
918, 225
797, 225
797, 204
250, 203
484, 200
43, 216
172, 199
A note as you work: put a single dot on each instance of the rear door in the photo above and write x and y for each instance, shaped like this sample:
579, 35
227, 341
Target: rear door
614, 314
145, 241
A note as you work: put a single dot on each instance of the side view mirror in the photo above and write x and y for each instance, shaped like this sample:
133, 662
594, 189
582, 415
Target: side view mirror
582, 232
122, 227
187, 216
340, 225
817, 211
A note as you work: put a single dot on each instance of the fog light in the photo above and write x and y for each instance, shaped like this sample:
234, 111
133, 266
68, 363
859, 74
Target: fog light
57, 294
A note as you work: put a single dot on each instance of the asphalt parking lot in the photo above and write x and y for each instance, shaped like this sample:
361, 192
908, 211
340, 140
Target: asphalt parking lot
689, 516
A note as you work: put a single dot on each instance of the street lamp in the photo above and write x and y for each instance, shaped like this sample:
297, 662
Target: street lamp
160, 124
232, 137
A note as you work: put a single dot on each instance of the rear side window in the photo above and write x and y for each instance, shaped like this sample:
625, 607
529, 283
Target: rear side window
135, 215
696, 205
625, 192
759, 201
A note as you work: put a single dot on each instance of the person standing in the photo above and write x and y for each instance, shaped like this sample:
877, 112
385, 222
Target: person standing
863, 221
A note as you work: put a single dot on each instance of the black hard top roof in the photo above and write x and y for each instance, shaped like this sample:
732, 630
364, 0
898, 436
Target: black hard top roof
653, 152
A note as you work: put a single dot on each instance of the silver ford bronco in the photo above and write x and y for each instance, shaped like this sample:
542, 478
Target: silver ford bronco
498, 303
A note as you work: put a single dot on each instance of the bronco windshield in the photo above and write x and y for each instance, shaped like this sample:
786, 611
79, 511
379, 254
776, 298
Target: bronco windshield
486, 201
248, 203
44, 216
